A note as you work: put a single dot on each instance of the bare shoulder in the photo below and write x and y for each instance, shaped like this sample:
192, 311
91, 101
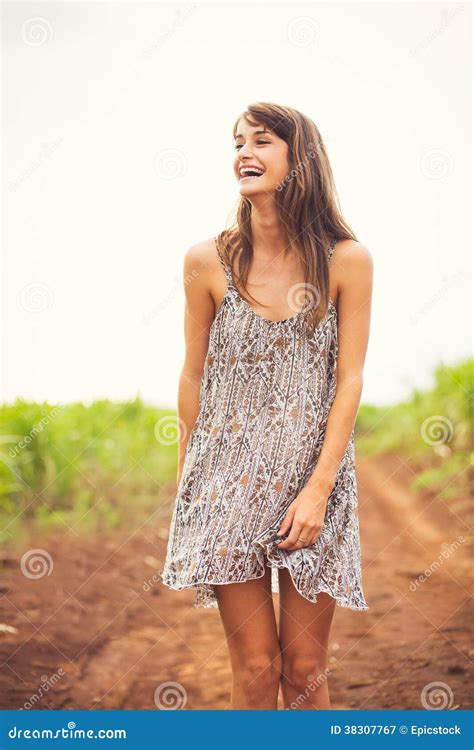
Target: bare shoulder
201, 255
354, 270
353, 255
202, 267
200, 262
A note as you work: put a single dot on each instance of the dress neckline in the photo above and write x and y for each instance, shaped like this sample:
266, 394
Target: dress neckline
267, 321
294, 317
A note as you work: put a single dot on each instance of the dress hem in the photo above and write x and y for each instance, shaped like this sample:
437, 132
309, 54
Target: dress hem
211, 603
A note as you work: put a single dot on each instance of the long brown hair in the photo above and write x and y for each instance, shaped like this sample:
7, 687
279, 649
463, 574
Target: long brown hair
307, 204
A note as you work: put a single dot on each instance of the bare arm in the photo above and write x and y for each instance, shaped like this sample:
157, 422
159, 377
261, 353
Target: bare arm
198, 317
354, 269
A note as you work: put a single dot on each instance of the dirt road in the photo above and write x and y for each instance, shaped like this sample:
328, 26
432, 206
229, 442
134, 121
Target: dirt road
99, 633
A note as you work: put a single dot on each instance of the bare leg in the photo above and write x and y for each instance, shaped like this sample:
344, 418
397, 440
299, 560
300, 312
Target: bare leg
248, 617
304, 635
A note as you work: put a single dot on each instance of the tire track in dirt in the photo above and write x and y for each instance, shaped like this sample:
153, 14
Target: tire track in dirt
410, 635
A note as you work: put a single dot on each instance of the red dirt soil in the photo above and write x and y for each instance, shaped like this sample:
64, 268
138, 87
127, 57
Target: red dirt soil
116, 642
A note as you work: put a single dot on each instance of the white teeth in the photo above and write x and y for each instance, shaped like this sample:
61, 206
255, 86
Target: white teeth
243, 170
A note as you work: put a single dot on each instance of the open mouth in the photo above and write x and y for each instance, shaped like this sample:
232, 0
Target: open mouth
250, 173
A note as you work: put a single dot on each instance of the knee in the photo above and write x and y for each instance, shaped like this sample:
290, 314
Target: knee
305, 671
258, 673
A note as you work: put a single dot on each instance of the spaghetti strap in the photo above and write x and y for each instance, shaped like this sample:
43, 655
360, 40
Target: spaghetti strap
224, 265
265, 394
331, 248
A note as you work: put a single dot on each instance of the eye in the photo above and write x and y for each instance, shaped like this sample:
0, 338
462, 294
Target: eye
259, 142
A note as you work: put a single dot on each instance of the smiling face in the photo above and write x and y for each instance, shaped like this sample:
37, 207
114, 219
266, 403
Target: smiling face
261, 159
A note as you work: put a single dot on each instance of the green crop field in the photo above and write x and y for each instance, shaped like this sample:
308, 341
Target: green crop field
83, 467
94, 467
432, 427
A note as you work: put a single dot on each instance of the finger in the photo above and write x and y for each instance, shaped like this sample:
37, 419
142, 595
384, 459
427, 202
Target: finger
303, 539
292, 538
286, 524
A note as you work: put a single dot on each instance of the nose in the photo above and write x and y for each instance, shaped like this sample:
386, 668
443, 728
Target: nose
245, 151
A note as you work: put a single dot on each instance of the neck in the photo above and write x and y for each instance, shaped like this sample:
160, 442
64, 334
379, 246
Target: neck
268, 233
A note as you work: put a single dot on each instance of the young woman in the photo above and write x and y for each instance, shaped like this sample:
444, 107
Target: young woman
276, 327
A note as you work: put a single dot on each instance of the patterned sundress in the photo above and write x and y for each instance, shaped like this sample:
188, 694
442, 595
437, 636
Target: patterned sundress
265, 395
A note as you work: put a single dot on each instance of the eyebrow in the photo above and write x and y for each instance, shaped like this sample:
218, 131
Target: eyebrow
257, 132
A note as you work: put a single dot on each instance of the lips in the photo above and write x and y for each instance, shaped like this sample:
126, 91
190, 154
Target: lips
250, 172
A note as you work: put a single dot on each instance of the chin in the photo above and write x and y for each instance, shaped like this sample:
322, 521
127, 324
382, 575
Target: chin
252, 189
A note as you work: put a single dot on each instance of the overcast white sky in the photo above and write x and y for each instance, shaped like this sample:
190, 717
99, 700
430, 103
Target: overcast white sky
117, 156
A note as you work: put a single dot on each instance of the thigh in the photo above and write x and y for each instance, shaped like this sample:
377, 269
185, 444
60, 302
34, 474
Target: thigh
248, 618
304, 625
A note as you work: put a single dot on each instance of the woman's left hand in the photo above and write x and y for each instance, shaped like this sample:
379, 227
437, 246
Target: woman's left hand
305, 518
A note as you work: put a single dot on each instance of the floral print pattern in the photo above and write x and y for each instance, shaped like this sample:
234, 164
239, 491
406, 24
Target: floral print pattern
264, 401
